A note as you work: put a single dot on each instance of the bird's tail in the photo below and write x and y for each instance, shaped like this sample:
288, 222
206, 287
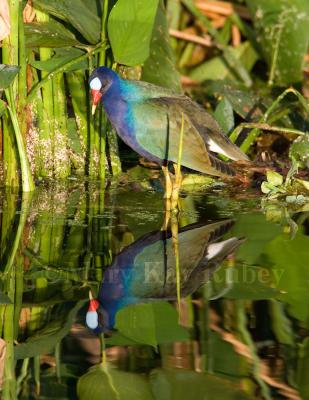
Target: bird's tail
221, 167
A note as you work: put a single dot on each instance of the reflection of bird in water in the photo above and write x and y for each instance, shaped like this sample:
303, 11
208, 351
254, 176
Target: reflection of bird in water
145, 271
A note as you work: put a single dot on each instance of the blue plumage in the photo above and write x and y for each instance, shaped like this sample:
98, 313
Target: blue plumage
149, 118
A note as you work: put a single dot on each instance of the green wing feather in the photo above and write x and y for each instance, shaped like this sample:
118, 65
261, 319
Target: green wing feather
165, 101
158, 125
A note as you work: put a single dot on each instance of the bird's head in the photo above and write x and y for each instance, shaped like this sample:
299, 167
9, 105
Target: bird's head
100, 81
96, 318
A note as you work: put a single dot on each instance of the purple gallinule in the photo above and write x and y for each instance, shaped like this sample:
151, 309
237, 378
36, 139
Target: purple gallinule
149, 119
145, 270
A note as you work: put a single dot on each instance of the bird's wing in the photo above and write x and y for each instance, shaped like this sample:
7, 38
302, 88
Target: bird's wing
209, 128
205, 124
157, 125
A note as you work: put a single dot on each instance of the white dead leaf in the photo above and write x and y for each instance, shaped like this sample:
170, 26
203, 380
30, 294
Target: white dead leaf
5, 25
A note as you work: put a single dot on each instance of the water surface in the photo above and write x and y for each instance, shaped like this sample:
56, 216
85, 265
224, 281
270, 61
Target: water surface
216, 307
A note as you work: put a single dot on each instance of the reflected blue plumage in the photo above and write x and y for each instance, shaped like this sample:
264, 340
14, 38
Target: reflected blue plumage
145, 270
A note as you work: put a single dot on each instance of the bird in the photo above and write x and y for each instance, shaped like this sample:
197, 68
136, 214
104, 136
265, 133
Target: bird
152, 120
145, 270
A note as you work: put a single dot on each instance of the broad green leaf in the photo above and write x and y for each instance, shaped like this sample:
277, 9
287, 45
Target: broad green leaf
7, 75
257, 231
217, 68
244, 282
130, 26
109, 383
181, 384
282, 29
159, 68
61, 57
75, 12
152, 323
49, 34
289, 258
224, 115
274, 178
45, 340
2, 107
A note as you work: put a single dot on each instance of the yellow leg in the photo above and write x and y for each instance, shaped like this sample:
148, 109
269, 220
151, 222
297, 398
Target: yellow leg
168, 183
176, 188
167, 196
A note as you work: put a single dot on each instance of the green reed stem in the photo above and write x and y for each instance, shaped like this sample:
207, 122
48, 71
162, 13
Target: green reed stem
9, 382
79, 96
23, 374
256, 131
27, 181
46, 134
10, 56
242, 326
60, 146
37, 373
22, 76
94, 138
25, 204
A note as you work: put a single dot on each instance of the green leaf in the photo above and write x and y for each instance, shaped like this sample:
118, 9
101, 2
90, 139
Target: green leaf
244, 282
77, 13
4, 299
289, 259
150, 324
217, 68
224, 115
2, 107
274, 178
49, 34
7, 75
282, 29
45, 340
299, 151
302, 369
266, 187
181, 384
258, 233
109, 383
61, 57
159, 68
130, 26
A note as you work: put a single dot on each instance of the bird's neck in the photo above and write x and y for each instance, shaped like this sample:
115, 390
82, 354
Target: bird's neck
117, 107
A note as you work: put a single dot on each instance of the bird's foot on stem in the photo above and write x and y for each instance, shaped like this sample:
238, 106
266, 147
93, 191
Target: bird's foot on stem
168, 183
176, 188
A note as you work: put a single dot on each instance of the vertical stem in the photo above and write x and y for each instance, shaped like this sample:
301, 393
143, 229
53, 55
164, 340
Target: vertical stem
22, 76
27, 181
94, 138
10, 56
61, 156
47, 133
76, 83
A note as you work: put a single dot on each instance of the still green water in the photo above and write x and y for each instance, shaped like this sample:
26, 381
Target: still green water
217, 308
